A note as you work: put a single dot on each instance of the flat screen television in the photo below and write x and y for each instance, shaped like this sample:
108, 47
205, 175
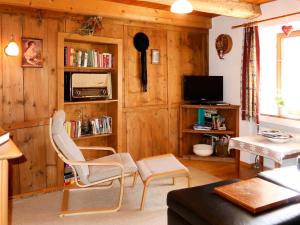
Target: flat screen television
203, 88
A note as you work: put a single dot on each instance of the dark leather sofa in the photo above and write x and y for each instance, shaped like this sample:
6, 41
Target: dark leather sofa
201, 206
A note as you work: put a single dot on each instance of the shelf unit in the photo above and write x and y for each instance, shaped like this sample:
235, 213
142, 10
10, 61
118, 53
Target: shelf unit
97, 108
86, 69
189, 136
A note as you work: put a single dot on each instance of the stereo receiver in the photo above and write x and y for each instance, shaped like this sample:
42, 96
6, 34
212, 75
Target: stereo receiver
87, 86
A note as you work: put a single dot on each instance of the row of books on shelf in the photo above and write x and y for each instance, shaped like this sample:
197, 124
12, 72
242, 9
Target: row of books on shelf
69, 177
89, 58
76, 129
212, 121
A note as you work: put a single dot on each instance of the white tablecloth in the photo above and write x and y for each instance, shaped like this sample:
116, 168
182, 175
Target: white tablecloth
260, 145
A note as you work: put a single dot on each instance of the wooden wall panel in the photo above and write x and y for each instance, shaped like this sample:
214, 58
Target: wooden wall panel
52, 161
53, 26
173, 118
1, 79
147, 132
36, 88
13, 99
187, 54
32, 169
157, 74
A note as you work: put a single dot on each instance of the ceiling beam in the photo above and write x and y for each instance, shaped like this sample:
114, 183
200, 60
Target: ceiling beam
234, 8
114, 10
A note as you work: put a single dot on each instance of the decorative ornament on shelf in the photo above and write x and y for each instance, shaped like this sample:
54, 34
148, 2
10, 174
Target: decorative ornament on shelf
223, 45
91, 25
287, 30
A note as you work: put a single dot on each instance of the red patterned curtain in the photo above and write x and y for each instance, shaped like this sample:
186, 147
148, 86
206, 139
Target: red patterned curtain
250, 75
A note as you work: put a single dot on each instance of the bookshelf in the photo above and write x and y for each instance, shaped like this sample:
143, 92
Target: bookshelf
93, 109
190, 137
86, 69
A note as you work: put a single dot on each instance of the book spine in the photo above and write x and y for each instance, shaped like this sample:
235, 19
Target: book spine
78, 128
85, 61
110, 61
101, 60
79, 53
72, 57
68, 56
65, 56
98, 59
95, 59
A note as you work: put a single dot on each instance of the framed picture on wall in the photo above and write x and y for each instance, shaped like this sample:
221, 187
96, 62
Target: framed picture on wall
32, 52
155, 56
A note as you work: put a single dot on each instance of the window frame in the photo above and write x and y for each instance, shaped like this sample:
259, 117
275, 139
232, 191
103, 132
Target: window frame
280, 38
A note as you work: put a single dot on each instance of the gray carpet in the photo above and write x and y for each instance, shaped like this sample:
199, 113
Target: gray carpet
44, 209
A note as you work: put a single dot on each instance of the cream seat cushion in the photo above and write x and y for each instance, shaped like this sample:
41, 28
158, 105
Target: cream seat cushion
157, 165
104, 172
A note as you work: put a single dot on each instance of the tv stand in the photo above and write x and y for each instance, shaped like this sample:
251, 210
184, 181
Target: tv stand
189, 137
209, 103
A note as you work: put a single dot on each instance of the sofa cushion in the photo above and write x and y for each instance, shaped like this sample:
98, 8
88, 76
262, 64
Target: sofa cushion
288, 177
202, 204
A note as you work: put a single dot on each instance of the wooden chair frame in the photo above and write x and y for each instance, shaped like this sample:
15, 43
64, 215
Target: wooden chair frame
93, 185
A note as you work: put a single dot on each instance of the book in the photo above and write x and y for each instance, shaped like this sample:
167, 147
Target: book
78, 58
72, 57
4, 136
84, 59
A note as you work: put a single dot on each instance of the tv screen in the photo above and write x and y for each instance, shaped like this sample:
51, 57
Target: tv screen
203, 88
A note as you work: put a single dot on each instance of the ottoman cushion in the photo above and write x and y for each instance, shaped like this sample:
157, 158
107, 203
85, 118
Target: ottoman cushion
201, 206
158, 165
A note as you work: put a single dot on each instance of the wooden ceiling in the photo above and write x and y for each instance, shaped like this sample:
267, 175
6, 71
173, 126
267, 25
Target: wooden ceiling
167, 8
148, 10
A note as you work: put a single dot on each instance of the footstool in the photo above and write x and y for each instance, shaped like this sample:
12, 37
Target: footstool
157, 167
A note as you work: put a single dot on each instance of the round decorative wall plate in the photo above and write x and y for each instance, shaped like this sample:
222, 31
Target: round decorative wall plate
223, 45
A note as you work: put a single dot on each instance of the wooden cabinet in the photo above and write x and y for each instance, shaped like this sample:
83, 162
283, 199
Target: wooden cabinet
97, 108
190, 137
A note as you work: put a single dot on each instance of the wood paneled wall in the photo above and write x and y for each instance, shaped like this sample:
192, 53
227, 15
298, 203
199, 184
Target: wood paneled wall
28, 96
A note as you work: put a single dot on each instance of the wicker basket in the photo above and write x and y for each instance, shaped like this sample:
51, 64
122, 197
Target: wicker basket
221, 147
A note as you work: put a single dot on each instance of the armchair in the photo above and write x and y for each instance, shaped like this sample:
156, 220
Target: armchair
93, 174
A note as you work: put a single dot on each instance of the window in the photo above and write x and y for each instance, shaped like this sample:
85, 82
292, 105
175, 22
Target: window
280, 74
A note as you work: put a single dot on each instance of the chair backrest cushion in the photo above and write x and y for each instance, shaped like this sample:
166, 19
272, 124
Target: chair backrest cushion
66, 145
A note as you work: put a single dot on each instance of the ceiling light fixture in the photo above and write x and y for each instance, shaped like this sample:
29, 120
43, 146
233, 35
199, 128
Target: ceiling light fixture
181, 7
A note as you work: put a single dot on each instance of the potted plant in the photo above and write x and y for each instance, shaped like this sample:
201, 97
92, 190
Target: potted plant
280, 103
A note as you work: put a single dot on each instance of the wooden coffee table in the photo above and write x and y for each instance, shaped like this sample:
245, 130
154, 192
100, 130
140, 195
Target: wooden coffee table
257, 195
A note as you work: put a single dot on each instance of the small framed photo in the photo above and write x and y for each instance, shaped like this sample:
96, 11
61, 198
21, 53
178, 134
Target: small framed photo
155, 56
32, 52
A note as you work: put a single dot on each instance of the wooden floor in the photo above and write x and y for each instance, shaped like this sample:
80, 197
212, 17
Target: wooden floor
222, 170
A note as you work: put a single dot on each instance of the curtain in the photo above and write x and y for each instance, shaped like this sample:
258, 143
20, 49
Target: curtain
250, 75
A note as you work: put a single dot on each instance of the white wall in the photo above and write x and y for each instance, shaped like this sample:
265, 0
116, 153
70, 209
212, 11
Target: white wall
230, 67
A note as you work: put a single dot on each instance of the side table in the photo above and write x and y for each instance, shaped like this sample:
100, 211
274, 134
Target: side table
261, 146
7, 151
